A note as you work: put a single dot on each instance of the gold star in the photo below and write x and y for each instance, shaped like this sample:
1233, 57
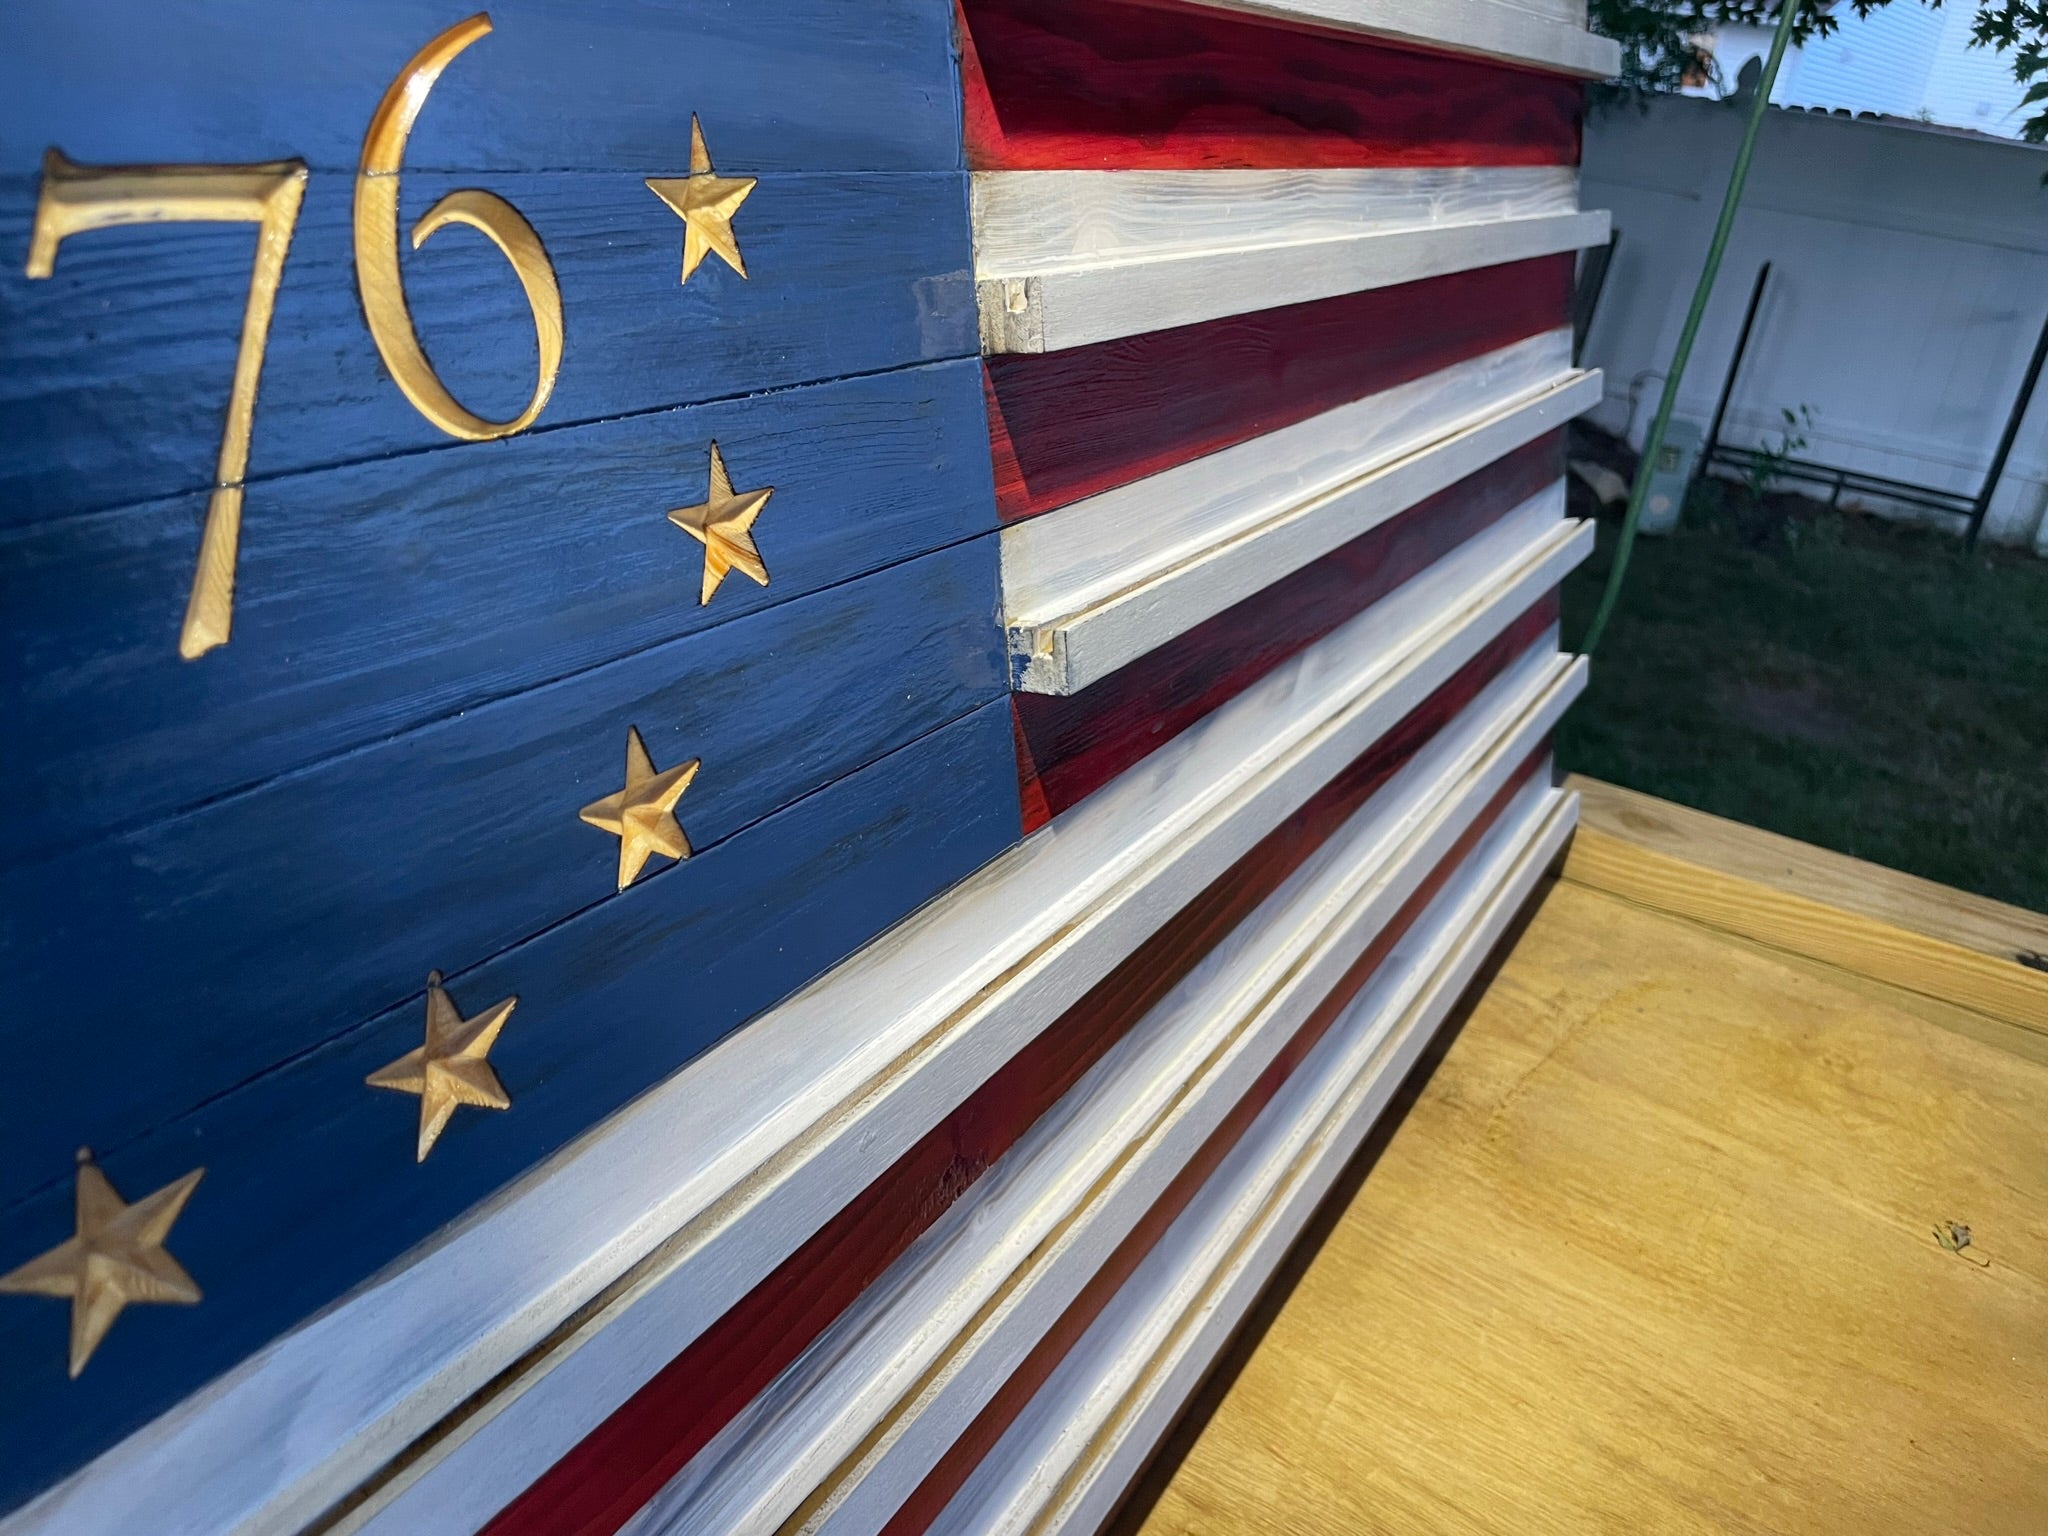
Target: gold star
721, 524
450, 1068
642, 815
115, 1256
706, 204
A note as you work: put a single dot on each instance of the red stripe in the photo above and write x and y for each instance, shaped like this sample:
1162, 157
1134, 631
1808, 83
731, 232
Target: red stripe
1115, 85
1064, 425
966, 1453
620, 1465
1068, 747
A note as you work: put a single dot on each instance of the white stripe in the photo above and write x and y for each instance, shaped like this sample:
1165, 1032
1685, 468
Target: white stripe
1543, 34
910, 1364
1092, 586
1067, 1459
564, 1294
1071, 304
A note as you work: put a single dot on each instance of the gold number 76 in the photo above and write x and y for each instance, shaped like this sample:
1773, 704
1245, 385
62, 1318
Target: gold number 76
76, 198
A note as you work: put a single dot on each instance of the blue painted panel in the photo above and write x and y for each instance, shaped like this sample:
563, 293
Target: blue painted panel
559, 84
310, 1183
114, 371
269, 922
373, 599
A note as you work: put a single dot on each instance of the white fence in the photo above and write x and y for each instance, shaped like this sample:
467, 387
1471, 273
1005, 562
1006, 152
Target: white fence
1909, 280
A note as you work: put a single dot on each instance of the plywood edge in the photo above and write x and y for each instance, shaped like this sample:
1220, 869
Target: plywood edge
1855, 885
1800, 925
1487, 29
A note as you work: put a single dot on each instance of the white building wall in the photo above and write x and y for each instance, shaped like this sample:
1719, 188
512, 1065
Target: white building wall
1909, 280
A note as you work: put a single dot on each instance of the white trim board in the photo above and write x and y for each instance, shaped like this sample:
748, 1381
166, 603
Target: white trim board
445, 1385
1512, 31
1092, 586
1068, 1457
1070, 303
916, 1358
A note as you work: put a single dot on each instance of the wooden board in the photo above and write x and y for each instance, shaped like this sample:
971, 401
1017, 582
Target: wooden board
1536, 34
1656, 1249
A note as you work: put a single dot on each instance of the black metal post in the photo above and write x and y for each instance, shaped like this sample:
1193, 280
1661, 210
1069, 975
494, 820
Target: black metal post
1756, 298
1586, 293
2005, 439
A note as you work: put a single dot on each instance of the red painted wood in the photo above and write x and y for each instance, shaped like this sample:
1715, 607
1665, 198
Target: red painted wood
1070, 746
965, 1454
1064, 425
1118, 85
595, 1488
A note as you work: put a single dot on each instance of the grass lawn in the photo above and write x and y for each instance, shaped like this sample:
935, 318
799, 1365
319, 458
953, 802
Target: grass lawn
1845, 681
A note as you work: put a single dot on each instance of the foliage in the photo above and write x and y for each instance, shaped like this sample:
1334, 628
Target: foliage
1771, 458
1661, 41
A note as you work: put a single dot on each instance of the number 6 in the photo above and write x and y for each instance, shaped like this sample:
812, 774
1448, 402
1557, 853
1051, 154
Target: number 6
376, 236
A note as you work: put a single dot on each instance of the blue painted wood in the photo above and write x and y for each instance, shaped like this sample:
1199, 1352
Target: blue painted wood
559, 84
310, 1183
373, 599
114, 371
269, 922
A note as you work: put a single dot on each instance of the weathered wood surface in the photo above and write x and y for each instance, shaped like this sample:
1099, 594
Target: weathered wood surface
376, 599
558, 85
1121, 86
114, 371
1679, 1268
653, 1435
1070, 745
1067, 426
311, 1185
342, 885
1537, 34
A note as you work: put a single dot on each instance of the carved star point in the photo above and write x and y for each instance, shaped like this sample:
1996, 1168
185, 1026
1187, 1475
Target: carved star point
642, 815
451, 1068
723, 523
114, 1256
705, 203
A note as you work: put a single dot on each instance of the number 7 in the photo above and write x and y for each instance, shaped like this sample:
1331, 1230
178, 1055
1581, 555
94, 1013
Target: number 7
76, 198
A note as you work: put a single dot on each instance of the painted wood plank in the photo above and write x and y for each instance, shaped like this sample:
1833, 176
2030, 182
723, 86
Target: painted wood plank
114, 371
1123, 86
851, 1429
495, 1347
629, 1459
1070, 745
376, 599
1541, 36
442, 846
311, 1185
1037, 221
1070, 1454
1066, 426
780, 85
1075, 306
1079, 612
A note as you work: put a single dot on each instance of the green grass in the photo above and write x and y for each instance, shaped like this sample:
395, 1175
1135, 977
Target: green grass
1855, 684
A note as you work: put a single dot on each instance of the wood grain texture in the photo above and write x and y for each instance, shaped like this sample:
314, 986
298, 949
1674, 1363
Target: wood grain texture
1071, 425
342, 885
1069, 1455
1524, 32
116, 368
616, 1470
1800, 869
311, 1185
1068, 746
1008, 1400
783, 85
1127, 86
1685, 1277
374, 600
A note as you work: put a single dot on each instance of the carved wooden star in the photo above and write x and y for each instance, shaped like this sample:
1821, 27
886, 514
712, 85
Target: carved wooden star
705, 203
450, 1068
723, 525
114, 1256
642, 815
